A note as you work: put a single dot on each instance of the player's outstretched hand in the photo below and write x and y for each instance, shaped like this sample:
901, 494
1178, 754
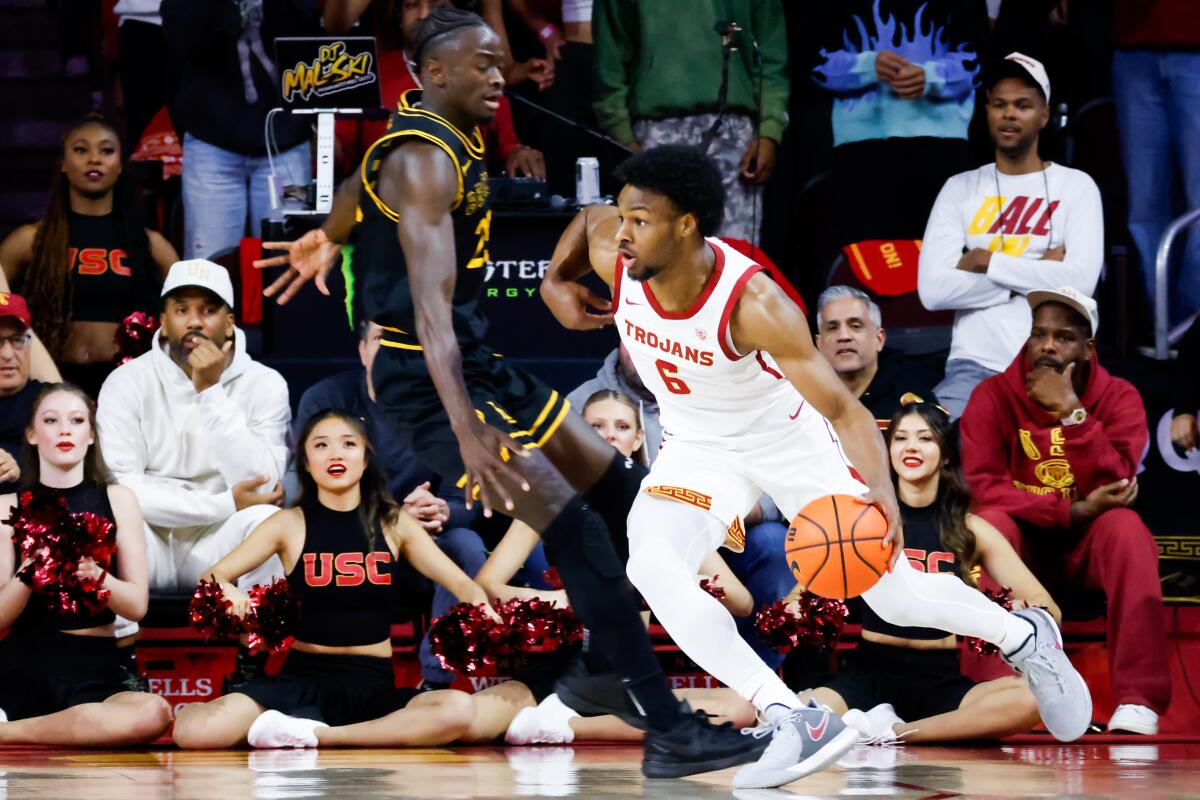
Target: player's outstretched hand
485, 454
310, 256
571, 305
885, 501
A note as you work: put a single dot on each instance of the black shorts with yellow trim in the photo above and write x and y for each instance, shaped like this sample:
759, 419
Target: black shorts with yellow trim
504, 397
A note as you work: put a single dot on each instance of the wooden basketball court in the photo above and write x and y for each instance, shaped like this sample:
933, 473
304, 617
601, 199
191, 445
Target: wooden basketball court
1157, 771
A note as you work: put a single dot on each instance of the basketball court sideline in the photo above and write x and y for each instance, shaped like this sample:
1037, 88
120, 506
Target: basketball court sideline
913, 773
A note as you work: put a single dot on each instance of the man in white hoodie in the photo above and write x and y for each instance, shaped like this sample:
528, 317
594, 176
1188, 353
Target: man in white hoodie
197, 430
1011, 227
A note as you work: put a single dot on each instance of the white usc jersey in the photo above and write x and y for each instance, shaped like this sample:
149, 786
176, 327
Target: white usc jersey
705, 388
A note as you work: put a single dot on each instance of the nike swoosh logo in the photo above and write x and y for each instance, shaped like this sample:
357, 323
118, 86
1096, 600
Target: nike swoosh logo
632, 303
816, 733
798, 410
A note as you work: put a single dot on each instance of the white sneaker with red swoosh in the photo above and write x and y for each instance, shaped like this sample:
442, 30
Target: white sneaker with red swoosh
803, 742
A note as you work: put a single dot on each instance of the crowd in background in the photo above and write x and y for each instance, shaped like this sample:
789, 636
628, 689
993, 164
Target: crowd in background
938, 128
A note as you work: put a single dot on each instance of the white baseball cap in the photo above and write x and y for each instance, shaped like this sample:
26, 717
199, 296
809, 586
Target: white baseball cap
1023, 67
203, 273
1068, 297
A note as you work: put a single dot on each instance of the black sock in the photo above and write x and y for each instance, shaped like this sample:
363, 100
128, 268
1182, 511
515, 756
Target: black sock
605, 602
612, 496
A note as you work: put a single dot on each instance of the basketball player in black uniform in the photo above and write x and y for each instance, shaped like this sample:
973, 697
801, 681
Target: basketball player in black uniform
513, 442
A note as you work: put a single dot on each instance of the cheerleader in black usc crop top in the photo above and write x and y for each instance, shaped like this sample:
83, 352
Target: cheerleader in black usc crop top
59, 678
899, 674
340, 549
89, 262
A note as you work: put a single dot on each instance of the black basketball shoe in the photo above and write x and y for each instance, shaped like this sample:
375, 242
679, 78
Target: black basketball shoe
695, 745
595, 694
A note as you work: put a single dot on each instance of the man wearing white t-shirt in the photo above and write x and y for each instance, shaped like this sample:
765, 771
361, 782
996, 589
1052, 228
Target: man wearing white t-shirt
1006, 229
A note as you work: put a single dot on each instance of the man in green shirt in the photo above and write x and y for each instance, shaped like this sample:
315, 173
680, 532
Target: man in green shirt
659, 80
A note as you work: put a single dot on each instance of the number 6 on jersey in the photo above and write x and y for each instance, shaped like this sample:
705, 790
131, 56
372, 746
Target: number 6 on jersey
668, 371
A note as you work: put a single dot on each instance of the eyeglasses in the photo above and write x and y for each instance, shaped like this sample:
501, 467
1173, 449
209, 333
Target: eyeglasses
18, 343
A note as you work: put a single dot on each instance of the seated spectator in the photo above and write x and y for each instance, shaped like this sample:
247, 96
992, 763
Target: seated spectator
1051, 449
438, 505
227, 87
898, 674
60, 683
396, 23
1187, 388
851, 337
337, 687
1006, 229
197, 429
90, 261
618, 375
17, 388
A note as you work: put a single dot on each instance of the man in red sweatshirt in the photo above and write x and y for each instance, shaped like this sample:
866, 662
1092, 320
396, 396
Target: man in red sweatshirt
1051, 448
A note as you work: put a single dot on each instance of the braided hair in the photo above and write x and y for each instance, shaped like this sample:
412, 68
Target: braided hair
442, 22
46, 283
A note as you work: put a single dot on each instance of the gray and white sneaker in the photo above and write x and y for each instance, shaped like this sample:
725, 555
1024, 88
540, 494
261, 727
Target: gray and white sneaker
803, 742
1062, 695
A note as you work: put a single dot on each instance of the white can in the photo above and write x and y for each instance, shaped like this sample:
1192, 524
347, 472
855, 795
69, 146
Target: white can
587, 180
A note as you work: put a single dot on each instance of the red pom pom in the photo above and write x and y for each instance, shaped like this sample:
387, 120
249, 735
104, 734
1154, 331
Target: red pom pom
51, 542
816, 622
134, 336
275, 613
209, 613
710, 585
465, 639
468, 641
1004, 597
539, 626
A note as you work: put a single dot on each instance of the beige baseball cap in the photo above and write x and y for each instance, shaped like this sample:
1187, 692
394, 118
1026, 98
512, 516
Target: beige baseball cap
1068, 297
203, 273
1019, 65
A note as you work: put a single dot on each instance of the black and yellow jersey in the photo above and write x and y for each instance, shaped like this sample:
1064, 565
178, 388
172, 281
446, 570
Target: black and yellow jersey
379, 279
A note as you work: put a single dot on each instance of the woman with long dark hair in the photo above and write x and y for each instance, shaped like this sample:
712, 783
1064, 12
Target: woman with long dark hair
341, 549
60, 682
90, 261
899, 674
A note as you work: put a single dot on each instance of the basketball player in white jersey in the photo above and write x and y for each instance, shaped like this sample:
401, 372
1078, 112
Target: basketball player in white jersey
749, 406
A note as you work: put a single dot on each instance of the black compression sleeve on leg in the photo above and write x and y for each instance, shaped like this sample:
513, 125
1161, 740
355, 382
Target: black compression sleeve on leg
605, 602
612, 496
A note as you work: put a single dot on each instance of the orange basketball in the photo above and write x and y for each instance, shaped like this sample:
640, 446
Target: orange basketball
834, 546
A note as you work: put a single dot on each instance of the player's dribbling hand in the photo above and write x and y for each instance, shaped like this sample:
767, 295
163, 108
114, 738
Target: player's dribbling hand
885, 501
311, 256
488, 471
571, 305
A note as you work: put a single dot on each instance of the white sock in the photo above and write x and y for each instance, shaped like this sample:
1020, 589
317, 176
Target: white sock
1016, 631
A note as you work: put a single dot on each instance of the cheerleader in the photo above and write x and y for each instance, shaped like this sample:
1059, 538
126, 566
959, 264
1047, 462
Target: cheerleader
343, 549
60, 681
898, 674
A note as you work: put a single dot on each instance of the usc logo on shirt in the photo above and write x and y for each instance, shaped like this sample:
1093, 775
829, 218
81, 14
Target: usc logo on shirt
98, 260
347, 569
929, 560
